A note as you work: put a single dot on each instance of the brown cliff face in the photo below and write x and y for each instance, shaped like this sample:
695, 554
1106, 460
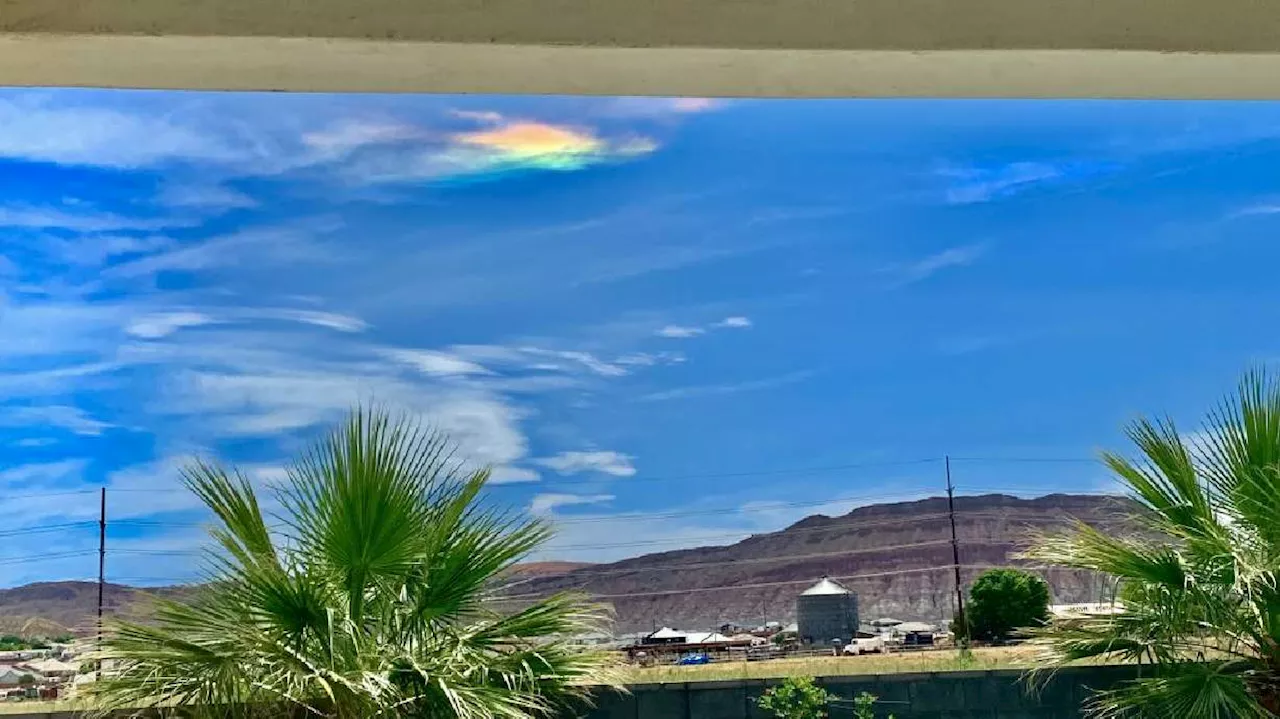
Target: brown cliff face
897, 557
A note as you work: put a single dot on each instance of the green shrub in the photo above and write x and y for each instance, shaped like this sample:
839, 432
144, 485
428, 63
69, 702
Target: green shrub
864, 706
796, 698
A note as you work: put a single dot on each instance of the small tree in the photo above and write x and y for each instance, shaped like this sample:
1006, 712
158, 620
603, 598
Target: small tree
1003, 600
864, 706
796, 698
26, 680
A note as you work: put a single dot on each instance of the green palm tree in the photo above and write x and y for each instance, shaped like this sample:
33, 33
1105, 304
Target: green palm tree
369, 598
1198, 599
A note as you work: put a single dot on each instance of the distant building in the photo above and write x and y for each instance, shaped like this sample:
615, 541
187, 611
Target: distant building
594, 639
52, 668
827, 612
915, 634
1086, 609
665, 635
11, 676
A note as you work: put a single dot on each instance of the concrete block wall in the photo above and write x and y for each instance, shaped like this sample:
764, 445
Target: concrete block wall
938, 695
941, 695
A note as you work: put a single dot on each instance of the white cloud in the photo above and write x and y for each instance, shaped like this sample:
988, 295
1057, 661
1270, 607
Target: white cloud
93, 250
43, 475
585, 359
154, 487
291, 244
512, 475
72, 419
437, 364
734, 322
979, 185
266, 473
340, 141
39, 383
203, 196
40, 131
32, 442
602, 461
679, 331
608, 537
927, 267
688, 331
1262, 208
328, 320
163, 324
724, 389
547, 503
46, 218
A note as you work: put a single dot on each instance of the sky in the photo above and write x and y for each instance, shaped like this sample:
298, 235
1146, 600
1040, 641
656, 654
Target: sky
661, 322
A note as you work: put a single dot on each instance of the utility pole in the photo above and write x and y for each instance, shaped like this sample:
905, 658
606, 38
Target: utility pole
962, 622
102, 564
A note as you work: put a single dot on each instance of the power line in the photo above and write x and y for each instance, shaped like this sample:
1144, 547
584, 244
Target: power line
670, 568
23, 559
1038, 491
674, 477
755, 585
743, 535
161, 552
836, 526
42, 495
766, 506
1018, 460
734, 475
40, 529
762, 507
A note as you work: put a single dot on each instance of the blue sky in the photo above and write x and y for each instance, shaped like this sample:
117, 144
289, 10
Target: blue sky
727, 314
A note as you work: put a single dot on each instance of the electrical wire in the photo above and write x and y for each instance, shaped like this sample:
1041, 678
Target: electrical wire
670, 568
42, 495
735, 475
762, 507
836, 527
756, 585
23, 559
41, 529
1020, 460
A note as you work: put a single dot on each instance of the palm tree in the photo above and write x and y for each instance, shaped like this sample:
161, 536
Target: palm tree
368, 598
1197, 584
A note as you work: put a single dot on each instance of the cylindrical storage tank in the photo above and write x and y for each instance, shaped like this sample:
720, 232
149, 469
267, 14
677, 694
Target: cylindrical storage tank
826, 612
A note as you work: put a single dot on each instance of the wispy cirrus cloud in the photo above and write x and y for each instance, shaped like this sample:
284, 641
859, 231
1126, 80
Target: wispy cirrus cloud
547, 503
81, 220
366, 146
930, 265
711, 390
689, 331
607, 462
41, 128
679, 332
72, 419
967, 185
1262, 208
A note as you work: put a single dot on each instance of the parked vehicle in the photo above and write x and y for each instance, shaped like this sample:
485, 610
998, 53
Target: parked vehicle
691, 659
865, 645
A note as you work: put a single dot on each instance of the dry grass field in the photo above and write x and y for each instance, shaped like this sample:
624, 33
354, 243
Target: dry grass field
941, 660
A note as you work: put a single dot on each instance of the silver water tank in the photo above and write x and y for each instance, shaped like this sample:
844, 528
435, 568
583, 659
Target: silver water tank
827, 611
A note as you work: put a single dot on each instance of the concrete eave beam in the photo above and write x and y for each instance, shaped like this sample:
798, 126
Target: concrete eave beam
764, 48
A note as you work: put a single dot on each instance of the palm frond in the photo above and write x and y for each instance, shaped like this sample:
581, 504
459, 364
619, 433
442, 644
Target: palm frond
1199, 598
370, 604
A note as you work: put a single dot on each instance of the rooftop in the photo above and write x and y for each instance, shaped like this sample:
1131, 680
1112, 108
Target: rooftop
825, 586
